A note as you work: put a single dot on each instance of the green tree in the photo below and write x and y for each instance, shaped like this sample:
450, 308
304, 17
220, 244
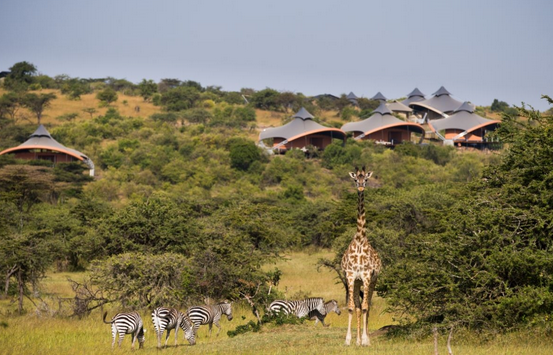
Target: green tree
38, 103
147, 89
267, 99
243, 153
74, 88
486, 262
24, 252
9, 106
499, 106
90, 110
143, 280
20, 76
107, 96
180, 98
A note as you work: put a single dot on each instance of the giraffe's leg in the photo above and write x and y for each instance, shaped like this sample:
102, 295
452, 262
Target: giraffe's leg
365, 305
351, 307
358, 311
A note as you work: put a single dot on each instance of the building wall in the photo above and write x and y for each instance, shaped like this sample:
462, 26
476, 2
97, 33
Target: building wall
54, 157
389, 135
320, 141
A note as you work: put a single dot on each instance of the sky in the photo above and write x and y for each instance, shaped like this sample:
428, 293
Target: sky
479, 50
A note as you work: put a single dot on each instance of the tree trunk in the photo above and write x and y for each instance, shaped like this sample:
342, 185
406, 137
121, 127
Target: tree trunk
20, 286
9, 274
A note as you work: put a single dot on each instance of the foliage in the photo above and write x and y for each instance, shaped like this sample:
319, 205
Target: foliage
142, 280
107, 96
147, 89
267, 99
487, 262
26, 251
180, 98
243, 154
38, 103
20, 76
502, 107
74, 88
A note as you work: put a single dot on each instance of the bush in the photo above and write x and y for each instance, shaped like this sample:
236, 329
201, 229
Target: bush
243, 153
140, 280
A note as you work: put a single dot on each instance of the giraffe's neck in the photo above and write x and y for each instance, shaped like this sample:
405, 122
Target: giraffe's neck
361, 232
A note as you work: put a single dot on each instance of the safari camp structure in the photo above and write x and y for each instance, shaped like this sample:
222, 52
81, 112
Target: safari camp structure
440, 105
464, 128
414, 96
384, 128
41, 146
300, 133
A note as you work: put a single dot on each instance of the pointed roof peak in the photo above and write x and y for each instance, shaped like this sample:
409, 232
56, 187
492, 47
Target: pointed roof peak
351, 95
415, 92
383, 109
379, 97
466, 106
303, 114
441, 91
41, 131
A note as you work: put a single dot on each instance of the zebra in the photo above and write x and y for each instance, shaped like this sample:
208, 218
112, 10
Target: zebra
209, 315
299, 308
169, 319
127, 323
329, 306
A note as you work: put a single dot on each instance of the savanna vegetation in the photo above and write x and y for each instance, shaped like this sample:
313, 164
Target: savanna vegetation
185, 208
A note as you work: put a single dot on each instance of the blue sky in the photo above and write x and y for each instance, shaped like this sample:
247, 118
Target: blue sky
478, 49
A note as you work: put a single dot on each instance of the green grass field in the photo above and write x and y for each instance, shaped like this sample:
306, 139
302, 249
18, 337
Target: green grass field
33, 334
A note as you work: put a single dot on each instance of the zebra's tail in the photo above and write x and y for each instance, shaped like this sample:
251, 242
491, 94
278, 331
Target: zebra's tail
104, 318
157, 324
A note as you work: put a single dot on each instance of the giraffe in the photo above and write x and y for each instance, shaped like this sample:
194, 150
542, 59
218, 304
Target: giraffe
361, 265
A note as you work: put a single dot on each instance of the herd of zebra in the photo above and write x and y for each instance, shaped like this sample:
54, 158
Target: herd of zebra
167, 319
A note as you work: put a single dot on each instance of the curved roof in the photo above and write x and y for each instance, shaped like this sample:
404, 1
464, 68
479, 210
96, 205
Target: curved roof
397, 106
381, 118
300, 126
463, 118
41, 139
415, 95
441, 102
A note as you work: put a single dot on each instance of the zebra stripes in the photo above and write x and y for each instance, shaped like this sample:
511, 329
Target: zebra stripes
330, 306
167, 319
299, 308
126, 323
210, 315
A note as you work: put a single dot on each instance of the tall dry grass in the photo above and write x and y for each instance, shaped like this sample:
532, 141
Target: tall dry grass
62, 105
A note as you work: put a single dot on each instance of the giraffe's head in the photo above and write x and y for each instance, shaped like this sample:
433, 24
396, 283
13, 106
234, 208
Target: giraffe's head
360, 177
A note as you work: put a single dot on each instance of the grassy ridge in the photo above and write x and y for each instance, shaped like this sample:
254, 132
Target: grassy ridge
31, 334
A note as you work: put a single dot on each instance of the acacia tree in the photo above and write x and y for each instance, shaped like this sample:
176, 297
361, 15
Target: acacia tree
9, 106
38, 103
24, 252
107, 96
147, 89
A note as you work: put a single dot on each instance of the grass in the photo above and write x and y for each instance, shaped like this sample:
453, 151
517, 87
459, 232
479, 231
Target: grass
62, 105
34, 334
